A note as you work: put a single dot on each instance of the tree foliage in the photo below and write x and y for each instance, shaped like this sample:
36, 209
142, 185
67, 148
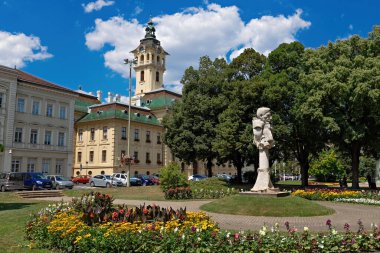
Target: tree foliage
172, 177
327, 167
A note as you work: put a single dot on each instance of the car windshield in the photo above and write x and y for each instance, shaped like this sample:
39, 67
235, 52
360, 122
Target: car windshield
61, 178
39, 176
144, 176
108, 177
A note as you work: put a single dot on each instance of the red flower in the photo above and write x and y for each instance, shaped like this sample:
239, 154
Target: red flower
146, 211
91, 215
122, 211
236, 236
115, 215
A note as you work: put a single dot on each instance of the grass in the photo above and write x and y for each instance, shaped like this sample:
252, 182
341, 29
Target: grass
267, 206
133, 193
14, 212
289, 182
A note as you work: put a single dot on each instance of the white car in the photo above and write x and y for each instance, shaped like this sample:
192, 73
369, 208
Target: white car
105, 181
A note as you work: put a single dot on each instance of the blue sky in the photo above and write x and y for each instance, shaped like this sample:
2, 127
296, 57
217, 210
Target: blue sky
83, 42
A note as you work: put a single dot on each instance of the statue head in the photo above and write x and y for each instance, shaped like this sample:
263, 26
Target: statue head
264, 114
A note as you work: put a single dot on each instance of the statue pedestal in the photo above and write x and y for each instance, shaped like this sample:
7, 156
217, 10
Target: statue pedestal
275, 192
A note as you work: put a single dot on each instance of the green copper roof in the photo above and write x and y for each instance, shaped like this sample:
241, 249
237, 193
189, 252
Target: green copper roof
119, 114
159, 102
82, 105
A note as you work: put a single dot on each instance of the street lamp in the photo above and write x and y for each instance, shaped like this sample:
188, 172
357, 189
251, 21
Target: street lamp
130, 62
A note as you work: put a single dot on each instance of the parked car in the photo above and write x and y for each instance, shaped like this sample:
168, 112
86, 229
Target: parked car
224, 177
196, 177
36, 180
155, 180
81, 179
105, 181
60, 182
123, 178
145, 180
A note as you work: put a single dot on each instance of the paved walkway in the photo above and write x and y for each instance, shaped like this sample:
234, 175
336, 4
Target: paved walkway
344, 213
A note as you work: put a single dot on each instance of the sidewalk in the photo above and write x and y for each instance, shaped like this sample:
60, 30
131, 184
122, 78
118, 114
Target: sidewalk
344, 213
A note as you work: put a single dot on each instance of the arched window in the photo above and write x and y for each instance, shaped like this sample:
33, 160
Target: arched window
147, 57
142, 58
158, 59
157, 76
152, 57
142, 76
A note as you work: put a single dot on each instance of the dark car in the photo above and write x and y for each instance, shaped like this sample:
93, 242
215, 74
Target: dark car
197, 177
155, 180
145, 180
136, 181
35, 180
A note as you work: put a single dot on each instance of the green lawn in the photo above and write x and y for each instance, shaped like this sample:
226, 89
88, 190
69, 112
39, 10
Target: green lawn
267, 206
288, 182
14, 212
135, 193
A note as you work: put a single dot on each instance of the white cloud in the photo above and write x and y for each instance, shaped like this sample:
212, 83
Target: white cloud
214, 31
96, 6
18, 49
137, 10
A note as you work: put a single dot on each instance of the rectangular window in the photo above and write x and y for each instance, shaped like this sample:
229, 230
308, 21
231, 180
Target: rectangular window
92, 134
62, 112
47, 138
33, 136
137, 135
147, 157
61, 139
104, 156
147, 136
124, 133
49, 110
91, 156
21, 105
159, 158
142, 76
80, 134
16, 165
59, 167
136, 155
45, 166
79, 158
18, 134
36, 108
158, 138
1, 99
31, 166
105, 129
157, 76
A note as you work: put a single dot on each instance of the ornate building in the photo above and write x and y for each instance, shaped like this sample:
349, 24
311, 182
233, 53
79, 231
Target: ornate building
36, 123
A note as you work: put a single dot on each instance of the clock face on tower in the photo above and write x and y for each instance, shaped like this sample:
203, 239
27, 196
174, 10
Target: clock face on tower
141, 49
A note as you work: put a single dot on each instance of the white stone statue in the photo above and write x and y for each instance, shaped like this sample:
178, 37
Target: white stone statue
263, 139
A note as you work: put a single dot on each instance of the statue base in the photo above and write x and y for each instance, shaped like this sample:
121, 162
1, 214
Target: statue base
274, 192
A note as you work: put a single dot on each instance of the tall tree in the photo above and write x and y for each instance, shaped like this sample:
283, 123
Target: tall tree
345, 96
285, 94
192, 124
233, 141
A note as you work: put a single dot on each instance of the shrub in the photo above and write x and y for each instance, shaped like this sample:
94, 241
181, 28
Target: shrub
178, 193
172, 177
327, 167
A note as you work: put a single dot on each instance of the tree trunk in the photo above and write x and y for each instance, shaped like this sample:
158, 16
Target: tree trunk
303, 159
209, 167
239, 167
355, 153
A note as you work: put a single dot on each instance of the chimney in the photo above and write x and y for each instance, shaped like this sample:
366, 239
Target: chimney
110, 98
99, 95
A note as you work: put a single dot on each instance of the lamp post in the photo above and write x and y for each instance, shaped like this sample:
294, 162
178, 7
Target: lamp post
130, 62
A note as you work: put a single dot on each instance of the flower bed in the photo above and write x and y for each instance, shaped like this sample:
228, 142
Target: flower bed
83, 227
326, 194
361, 197
187, 193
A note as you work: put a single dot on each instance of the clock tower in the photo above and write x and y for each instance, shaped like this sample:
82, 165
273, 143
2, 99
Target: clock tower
150, 65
